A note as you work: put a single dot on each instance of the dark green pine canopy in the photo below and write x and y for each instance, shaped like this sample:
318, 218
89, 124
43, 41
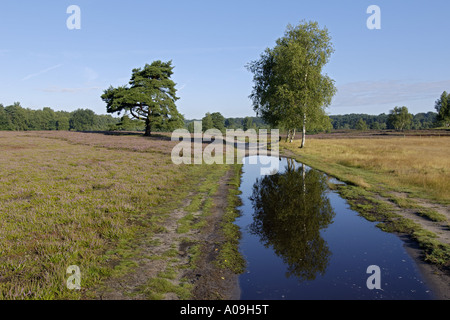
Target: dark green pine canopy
150, 97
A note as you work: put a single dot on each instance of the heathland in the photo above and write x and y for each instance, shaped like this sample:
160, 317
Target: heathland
115, 206
140, 227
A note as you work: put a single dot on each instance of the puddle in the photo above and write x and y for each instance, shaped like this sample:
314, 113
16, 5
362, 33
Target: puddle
302, 241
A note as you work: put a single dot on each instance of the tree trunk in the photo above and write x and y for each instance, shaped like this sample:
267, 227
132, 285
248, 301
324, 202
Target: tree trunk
304, 178
293, 136
304, 119
288, 135
303, 132
290, 165
148, 128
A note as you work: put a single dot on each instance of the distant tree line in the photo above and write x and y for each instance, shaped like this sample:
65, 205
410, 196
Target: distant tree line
398, 119
17, 118
382, 121
216, 120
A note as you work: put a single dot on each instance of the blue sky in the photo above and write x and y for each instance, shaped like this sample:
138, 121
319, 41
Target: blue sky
43, 63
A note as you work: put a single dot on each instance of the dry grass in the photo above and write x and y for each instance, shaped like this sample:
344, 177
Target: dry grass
80, 199
409, 164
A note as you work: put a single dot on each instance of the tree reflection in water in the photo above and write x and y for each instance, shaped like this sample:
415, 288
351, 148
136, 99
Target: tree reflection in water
290, 209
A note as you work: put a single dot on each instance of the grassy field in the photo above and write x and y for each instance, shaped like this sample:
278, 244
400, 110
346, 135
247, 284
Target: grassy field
416, 165
91, 200
386, 176
119, 209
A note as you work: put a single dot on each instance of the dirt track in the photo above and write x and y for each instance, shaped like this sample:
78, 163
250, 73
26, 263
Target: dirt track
209, 281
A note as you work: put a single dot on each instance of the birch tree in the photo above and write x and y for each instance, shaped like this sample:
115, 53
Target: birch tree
400, 118
443, 109
289, 87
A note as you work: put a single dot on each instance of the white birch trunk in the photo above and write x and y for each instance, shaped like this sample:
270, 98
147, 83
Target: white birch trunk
304, 131
293, 136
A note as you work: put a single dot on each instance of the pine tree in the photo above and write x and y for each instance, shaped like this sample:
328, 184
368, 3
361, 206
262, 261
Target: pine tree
150, 97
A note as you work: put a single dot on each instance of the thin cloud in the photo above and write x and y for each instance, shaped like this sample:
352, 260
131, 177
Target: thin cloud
364, 93
41, 72
69, 90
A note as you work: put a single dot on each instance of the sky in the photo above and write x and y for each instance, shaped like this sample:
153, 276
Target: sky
43, 63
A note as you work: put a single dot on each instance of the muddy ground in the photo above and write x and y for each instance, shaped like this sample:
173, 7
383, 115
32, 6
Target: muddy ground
437, 278
209, 281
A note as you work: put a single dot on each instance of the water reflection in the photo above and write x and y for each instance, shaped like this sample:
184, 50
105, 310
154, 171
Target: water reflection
291, 221
290, 210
